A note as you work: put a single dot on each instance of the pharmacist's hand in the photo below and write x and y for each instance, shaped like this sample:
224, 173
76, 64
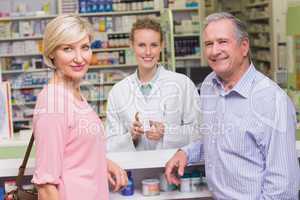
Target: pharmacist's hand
175, 167
136, 130
157, 130
117, 177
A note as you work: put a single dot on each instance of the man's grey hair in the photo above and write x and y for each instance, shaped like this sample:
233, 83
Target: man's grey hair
241, 28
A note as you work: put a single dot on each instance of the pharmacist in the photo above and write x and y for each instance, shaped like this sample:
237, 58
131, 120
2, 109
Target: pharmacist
153, 108
248, 123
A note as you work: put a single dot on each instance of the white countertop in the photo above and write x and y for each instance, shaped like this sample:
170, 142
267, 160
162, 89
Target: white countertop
127, 160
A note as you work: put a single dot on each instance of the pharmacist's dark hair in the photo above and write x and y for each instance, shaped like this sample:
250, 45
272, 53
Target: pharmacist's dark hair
146, 23
241, 28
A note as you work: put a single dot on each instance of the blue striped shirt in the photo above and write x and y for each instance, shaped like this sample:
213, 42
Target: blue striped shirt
248, 139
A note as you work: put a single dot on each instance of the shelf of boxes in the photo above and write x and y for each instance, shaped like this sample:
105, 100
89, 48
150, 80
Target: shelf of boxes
20, 55
137, 12
187, 21
187, 35
260, 20
28, 87
115, 66
21, 38
260, 25
258, 4
21, 18
24, 71
110, 48
21, 120
40, 54
24, 103
191, 57
185, 9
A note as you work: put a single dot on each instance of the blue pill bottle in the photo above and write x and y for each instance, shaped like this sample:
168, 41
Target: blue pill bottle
129, 189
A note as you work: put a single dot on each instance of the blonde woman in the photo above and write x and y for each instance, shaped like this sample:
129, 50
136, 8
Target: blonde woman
153, 108
70, 147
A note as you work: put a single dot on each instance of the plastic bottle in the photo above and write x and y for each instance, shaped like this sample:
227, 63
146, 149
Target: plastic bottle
82, 6
129, 189
185, 182
195, 181
164, 185
2, 193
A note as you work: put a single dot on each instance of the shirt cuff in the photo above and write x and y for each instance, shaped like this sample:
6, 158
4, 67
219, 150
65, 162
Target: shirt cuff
185, 149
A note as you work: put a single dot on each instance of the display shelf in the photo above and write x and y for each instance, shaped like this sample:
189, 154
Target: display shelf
163, 195
261, 60
261, 46
21, 38
98, 83
112, 66
184, 9
135, 12
97, 100
22, 120
187, 35
27, 56
258, 4
28, 87
110, 49
235, 11
24, 103
191, 57
257, 32
20, 55
25, 71
116, 32
36, 17
259, 18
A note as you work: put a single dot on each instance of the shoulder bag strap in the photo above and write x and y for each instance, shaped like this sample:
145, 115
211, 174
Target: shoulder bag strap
24, 163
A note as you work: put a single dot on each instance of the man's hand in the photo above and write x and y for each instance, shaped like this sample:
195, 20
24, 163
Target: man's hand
117, 176
157, 130
176, 165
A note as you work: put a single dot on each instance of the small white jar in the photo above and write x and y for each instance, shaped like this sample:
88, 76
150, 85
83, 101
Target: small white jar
185, 184
150, 187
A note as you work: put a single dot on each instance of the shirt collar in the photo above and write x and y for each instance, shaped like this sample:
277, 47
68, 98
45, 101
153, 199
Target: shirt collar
243, 86
152, 81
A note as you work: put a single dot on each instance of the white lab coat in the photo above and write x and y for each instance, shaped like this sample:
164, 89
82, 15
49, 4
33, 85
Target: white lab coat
173, 100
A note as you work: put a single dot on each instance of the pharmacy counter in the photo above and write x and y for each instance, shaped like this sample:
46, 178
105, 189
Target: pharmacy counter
142, 161
127, 160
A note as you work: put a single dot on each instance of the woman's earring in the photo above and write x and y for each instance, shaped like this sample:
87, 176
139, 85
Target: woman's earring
52, 58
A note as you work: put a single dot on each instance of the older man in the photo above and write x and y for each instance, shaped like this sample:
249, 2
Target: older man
248, 123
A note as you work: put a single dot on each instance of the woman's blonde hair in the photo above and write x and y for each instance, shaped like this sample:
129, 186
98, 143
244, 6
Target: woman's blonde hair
64, 29
146, 23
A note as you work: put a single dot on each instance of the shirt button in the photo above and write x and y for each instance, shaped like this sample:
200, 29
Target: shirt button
210, 189
213, 141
